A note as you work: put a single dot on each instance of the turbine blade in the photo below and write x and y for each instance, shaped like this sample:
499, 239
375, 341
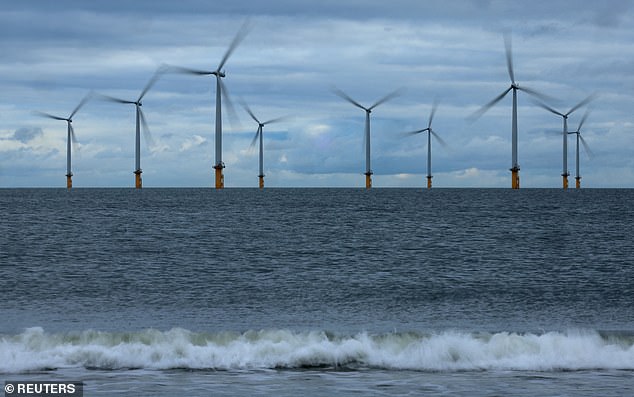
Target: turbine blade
386, 98
81, 104
242, 33
537, 94
345, 96
439, 139
255, 139
586, 147
544, 106
410, 133
248, 109
184, 70
73, 138
146, 130
275, 120
478, 113
433, 112
233, 116
113, 99
589, 99
508, 46
159, 72
583, 120
50, 116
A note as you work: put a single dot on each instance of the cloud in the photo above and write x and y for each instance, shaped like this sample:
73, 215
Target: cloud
11, 145
193, 142
26, 134
468, 173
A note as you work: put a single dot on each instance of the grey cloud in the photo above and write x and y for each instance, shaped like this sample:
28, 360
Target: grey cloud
613, 14
26, 134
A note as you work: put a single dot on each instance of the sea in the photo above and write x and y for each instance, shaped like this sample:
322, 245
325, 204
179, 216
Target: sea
319, 292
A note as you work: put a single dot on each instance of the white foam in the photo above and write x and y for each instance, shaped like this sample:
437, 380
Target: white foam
34, 349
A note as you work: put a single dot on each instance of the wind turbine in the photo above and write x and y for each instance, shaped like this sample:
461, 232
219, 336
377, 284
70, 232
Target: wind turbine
70, 136
220, 91
564, 116
585, 145
430, 132
258, 134
368, 110
140, 119
515, 167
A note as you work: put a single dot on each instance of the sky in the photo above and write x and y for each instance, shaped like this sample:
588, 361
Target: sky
52, 54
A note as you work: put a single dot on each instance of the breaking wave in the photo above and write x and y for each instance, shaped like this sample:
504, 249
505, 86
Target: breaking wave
36, 350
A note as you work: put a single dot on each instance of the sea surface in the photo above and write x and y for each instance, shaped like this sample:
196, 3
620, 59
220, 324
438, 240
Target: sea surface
319, 292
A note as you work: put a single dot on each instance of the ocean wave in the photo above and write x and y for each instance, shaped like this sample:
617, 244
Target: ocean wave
35, 350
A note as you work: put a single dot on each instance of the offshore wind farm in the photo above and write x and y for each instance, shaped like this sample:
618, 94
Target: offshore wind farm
315, 148
221, 91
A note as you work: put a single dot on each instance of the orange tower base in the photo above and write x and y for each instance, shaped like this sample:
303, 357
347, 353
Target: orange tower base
565, 181
138, 182
515, 178
368, 181
220, 178
261, 181
578, 182
429, 182
69, 181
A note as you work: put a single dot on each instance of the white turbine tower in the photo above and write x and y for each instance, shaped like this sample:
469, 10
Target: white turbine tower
564, 116
220, 92
258, 135
585, 146
70, 131
140, 120
515, 167
368, 110
429, 132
